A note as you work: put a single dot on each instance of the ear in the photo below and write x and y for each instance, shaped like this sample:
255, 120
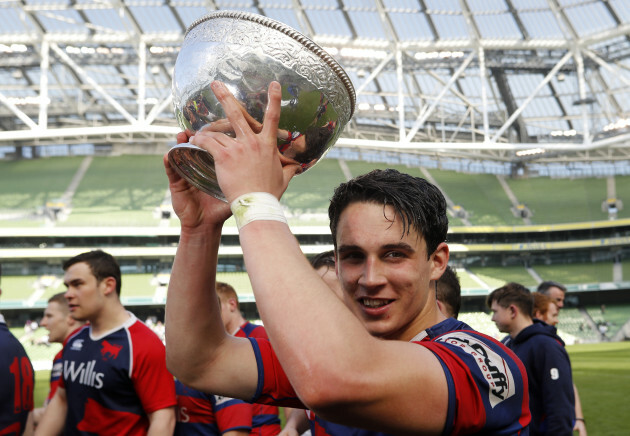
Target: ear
439, 261
513, 311
110, 285
232, 304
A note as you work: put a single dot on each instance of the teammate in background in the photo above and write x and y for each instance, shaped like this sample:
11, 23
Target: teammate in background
114, 377
551, 398
545, 309
555, 290
388, 361
204, 414
16, 381
265, 419
449, 293
60, 326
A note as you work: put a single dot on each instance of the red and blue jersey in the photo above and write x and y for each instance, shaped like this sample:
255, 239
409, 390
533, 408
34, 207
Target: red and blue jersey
16, 383
487, 383
113, 381
204, 414
55, 373
265, 421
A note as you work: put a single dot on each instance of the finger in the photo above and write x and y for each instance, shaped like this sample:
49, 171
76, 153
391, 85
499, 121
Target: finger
288, 172
233, 110
182, 137
272, 113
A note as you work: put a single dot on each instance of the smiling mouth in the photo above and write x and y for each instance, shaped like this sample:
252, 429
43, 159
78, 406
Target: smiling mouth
372, 303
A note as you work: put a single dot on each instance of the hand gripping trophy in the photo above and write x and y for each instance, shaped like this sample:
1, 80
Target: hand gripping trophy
246, 52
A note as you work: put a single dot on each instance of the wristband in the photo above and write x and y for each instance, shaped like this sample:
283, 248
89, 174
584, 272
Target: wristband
256, 206
581, 419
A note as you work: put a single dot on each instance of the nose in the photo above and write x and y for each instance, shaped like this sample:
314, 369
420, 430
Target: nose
372, 274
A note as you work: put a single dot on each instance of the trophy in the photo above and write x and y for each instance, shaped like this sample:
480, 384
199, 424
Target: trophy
246, 52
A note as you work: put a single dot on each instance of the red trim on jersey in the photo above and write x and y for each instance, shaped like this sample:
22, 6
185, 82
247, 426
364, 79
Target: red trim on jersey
153, 383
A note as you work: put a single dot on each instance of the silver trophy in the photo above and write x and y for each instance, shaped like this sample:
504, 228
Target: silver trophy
246, 52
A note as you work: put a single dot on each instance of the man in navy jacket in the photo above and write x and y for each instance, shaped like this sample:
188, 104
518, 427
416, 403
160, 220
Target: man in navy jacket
551, 397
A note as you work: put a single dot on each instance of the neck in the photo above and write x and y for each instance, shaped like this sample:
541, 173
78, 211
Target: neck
519, 325
109, 318
234, 324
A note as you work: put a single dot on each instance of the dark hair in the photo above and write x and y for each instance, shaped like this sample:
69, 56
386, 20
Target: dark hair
513, 293
449, 291
419, 204
327, 258
102, 265
544, 287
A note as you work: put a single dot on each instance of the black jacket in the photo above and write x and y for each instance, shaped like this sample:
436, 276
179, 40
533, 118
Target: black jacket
551, 396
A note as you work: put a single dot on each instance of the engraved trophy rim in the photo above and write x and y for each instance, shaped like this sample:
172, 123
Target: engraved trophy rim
292, 33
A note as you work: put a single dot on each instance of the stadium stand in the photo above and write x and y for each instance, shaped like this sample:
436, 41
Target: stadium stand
553, 201
577, 273
119, 191
481, 195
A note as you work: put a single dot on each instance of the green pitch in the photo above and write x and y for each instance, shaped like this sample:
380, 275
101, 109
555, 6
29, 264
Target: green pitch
600, 371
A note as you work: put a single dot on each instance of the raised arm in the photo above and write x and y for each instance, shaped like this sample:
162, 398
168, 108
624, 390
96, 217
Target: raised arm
198, 350
335, 366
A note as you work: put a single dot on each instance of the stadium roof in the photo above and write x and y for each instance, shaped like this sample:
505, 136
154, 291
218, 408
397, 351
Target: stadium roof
502, 80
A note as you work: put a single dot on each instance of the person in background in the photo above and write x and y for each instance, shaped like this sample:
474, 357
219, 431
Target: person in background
449, 293
546, 309
17, 381
551, 397
114, 377
265, 419
555, 290
60, 326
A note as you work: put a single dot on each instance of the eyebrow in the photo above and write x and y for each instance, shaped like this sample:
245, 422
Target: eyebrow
398, 246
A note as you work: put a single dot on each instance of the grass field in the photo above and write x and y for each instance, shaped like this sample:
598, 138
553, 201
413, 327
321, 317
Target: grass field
600, 371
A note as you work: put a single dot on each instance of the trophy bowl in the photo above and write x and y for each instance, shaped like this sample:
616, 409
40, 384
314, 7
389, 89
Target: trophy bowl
246, 52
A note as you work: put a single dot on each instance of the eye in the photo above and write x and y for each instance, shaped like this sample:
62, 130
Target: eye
395, 254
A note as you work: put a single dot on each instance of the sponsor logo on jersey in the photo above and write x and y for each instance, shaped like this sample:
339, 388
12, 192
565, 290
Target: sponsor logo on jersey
56, 370
77, 344
491, 364
110, 351
83, 373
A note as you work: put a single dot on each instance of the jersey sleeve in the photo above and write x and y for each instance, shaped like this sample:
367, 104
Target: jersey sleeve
154, 385
273, 385
232, 414
556, 382
487, 384
55, 375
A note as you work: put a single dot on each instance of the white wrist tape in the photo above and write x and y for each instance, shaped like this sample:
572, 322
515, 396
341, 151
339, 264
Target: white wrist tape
256, 206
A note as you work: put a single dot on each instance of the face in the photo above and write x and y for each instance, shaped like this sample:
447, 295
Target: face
501, 316
385, 277
86, 296
552, 314
558, 296
329, 276
56, 322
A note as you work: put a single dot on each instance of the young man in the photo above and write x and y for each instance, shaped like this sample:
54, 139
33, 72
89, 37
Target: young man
551, 399
16, 381
114, 377
555, 290
389, 231
265, 419
545, 309
60, 326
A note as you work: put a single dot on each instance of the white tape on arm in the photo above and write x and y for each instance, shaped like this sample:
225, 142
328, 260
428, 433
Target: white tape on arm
256, 206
